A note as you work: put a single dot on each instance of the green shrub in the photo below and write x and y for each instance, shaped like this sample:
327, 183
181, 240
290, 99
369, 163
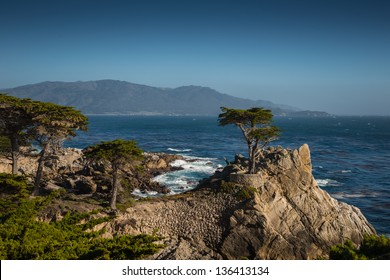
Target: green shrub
13, 189
376, 247
22, 236
14, 185
373, 247
241, 192
5, 145
347, 251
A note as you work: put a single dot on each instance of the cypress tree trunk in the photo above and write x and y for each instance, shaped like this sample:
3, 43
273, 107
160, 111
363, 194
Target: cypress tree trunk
15, 150
39, 174
253, 150
251, 154
252, 160
114, 192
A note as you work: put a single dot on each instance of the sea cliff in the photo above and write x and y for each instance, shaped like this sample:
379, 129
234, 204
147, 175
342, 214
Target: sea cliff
278, 213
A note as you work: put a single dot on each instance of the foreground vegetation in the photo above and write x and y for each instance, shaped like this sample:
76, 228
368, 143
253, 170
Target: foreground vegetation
23, 236
373, 247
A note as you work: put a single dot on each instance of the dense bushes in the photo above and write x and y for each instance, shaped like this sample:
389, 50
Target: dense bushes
5, 145
22, 236
373, 247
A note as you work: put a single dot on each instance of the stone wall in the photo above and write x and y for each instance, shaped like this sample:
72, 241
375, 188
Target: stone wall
252, 180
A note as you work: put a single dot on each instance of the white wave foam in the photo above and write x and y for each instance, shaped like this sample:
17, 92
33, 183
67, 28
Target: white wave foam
179, 150
343, 195
346, 171
203, 166
198, 158
328, 183
177, 181
193, 170
139, 193
178, 163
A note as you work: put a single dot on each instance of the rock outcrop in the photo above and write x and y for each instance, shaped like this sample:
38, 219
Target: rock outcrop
290, 216
287, 215
158, 163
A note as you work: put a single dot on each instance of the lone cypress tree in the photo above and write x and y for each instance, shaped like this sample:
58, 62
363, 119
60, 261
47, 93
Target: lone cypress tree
118, 153
255, 124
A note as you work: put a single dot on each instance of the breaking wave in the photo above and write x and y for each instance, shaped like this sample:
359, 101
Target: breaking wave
328, 183
179, 150
193, 169
343, 195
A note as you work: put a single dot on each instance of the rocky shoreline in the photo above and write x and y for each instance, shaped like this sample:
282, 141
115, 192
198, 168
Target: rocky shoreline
278, 213
68, 169
285, 216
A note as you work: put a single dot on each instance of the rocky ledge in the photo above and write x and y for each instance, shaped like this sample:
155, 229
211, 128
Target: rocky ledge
278, 213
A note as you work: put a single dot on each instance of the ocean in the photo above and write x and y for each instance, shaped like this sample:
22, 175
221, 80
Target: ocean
350, 155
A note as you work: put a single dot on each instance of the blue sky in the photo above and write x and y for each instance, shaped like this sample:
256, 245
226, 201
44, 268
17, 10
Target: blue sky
319, 55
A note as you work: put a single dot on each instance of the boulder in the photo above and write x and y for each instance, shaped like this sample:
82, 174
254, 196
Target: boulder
84, 185
160, 161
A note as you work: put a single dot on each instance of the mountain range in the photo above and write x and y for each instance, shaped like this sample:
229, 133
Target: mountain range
119, 97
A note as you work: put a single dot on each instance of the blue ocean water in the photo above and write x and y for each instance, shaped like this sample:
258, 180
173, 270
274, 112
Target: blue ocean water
350, 155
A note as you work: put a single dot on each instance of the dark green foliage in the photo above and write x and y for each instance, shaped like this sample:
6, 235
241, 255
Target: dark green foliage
23, 236
347, 251
52, 124
14, 185
14, 124
246, 192
12, 189
52, 120
122, 248
255, 124
240, 191
119, 154
5, 145
373, 247
23, 121
376, 247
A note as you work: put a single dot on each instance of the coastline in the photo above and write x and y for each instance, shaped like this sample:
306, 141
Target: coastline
220, 218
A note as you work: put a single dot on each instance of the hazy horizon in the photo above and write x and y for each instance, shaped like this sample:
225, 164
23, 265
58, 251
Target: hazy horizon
331, 56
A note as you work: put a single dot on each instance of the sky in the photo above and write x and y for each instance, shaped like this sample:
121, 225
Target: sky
328, 55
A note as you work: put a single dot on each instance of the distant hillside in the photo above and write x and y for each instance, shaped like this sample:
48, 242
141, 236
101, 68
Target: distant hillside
118, 97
